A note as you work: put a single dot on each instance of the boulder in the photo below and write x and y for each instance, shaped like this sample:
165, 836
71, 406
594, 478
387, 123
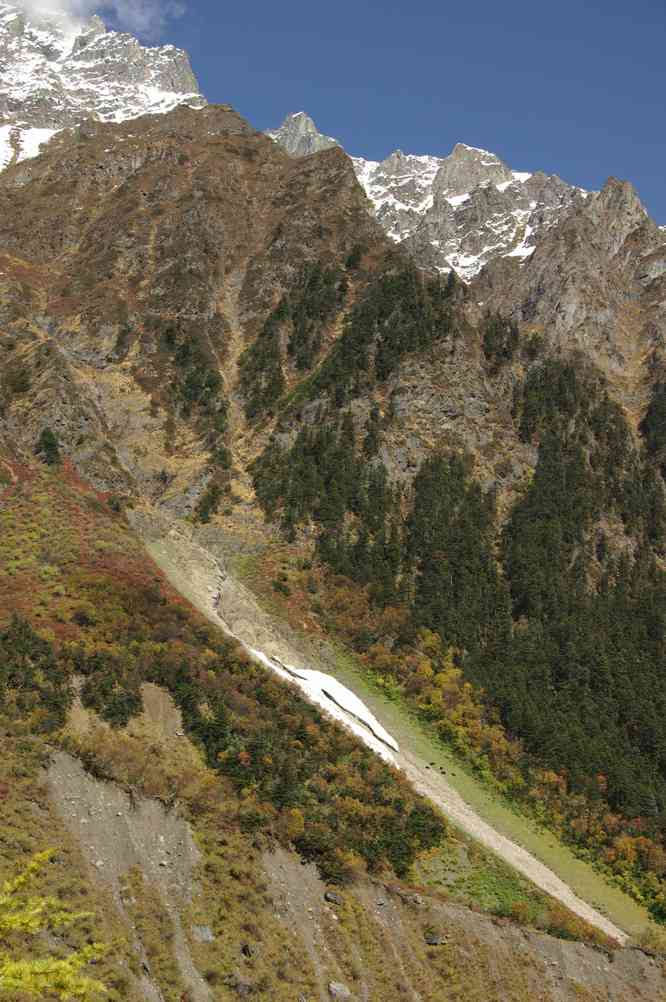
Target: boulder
338, 991
203, 934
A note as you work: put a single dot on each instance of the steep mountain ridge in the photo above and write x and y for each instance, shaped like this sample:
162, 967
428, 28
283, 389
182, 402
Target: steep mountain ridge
55, 71
595, 282
299, 136
154, 227
460, 211
587, 268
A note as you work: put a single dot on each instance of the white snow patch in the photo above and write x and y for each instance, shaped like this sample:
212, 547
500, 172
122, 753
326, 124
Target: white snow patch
18, 144
456, 200
477, 149
521, 176
465, 265
522, 250
32, 140
337, 701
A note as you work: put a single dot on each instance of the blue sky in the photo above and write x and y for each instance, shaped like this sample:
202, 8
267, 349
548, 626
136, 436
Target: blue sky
573, 88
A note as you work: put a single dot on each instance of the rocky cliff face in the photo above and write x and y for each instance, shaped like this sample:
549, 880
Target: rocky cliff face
55, 72
460, 211
192, 218
586, 270
196, 223
499, 213
595, 283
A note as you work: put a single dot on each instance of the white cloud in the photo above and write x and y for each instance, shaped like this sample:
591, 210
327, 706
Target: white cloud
147, 18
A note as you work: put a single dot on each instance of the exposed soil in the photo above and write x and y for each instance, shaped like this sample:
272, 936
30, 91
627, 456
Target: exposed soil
497, 951
117, 833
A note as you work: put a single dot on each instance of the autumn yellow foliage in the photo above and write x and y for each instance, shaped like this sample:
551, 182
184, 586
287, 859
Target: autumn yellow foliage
24, 914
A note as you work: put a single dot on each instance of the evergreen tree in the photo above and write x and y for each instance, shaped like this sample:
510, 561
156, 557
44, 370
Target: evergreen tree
48, 448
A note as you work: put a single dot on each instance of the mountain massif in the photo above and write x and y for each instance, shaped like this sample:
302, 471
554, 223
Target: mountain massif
418, 408
56, 71
460, 211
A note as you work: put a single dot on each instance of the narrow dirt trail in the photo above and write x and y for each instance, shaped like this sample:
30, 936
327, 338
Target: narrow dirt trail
227, 603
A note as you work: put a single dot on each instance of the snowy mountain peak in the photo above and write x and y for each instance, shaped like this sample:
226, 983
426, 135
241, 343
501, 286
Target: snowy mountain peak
56, 70
459, 211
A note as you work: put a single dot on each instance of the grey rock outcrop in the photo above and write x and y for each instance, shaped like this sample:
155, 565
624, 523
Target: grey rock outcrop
338, 991
466, 167
299, 136
590, 268
400, 189
492, 219
596, 282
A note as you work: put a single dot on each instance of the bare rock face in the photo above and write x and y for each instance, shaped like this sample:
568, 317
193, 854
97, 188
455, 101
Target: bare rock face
492, 219
399, 189
466, 167
55, 72
299, 136
338, 991
594, 283
457, 212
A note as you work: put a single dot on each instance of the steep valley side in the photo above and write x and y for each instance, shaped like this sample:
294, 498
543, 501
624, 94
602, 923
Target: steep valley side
213, 589
191, 892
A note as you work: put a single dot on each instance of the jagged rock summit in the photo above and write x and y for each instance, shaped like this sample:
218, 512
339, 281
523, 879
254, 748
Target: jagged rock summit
299, 136
459, 211
56, 71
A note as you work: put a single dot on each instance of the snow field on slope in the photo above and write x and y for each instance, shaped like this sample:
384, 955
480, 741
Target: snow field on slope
337, 701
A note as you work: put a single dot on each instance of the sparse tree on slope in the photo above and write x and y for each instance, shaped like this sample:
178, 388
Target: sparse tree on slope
23, 914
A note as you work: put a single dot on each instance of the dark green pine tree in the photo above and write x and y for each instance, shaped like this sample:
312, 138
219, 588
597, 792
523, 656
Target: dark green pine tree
48, 448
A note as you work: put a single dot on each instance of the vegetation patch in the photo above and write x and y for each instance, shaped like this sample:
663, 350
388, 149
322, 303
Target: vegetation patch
295, 773
547, 668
